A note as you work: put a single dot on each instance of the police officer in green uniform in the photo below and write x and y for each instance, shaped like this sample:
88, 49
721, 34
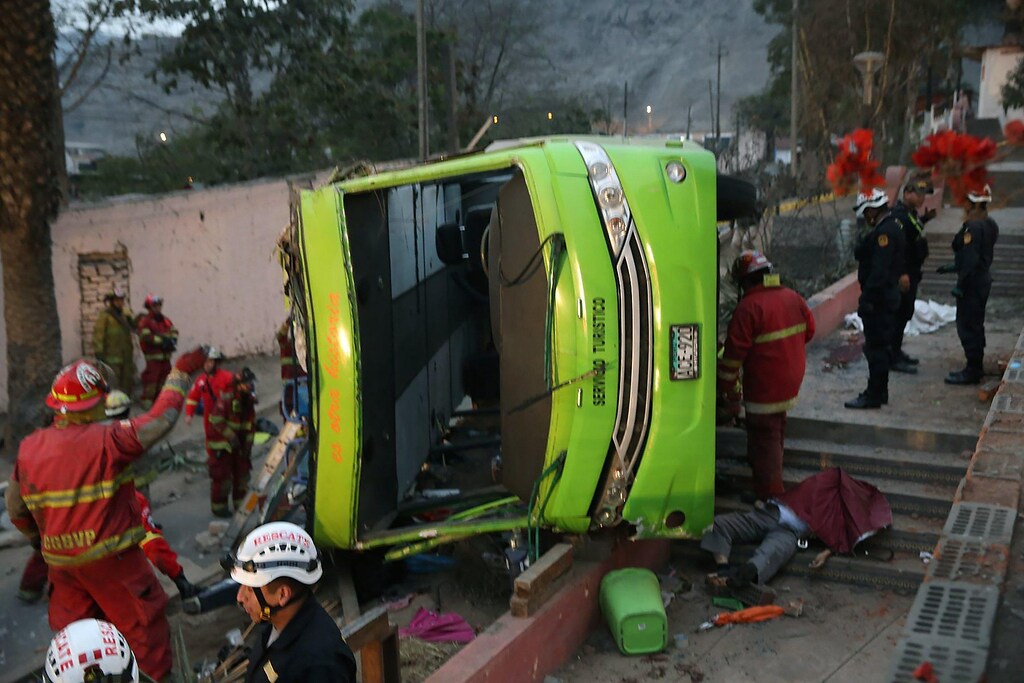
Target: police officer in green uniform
973, 248
914, 254
880, 265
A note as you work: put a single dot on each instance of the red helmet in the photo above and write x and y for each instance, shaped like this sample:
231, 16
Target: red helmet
748, 263
78, 387
152, 300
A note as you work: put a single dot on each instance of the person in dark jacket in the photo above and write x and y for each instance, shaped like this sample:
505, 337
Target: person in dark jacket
914, 254
277, 566
880, 266
973, 248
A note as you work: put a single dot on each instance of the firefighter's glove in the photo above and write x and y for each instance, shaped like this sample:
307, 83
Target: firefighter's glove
168, 344
946, 268
186, 589
957, 292
192, 361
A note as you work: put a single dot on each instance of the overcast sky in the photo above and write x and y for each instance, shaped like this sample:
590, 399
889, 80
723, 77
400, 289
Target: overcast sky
71, 12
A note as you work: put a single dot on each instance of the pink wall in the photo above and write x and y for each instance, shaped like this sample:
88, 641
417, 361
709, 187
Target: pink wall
209, 253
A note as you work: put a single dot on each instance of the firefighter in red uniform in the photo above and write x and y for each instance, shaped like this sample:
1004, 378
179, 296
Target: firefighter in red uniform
229, 444
159, 551
766, 339
292, 373
158, 339
211, 383
72, 494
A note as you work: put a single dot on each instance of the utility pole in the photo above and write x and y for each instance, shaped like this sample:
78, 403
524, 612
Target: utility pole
718, 103
689, 118
794, 94
711, 106
421, 79
625, 107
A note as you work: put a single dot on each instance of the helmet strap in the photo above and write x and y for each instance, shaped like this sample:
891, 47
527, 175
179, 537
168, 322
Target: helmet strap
266, 610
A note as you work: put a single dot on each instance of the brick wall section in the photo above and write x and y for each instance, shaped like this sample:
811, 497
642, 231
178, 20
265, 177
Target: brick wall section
98, 275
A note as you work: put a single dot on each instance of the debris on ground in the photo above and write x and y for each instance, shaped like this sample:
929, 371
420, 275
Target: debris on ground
419, 659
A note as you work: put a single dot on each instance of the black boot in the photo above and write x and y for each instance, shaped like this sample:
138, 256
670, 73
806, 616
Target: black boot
900, 365
864, 401
907, 359
966, 376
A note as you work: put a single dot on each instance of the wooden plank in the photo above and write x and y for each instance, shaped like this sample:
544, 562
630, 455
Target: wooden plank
544, 571
371, 627
392, 658
347, 594
260, 482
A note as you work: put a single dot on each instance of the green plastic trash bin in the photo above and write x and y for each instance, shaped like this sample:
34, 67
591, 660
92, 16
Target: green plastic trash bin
631, 604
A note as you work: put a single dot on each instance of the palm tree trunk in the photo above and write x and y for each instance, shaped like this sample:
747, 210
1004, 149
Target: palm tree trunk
31, 177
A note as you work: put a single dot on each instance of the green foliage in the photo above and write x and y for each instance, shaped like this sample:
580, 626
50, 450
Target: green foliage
1013, 90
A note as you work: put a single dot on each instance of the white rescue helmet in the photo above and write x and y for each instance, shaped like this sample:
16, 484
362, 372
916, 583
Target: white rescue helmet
980, 197
117, 404
870, 200
214, 354
90, 651
274, 551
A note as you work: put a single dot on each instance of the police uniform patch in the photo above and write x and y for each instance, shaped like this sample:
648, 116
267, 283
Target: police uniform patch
883, 240
967, 238
268, 671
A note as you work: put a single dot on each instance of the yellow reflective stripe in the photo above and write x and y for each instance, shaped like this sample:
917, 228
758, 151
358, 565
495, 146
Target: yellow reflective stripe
216, 419
730, 363
234, 425
157, 356
174, 388
769, 408
287, 360
727, 376
218, 445
150, 536
108, 546
780, 334
69, 497
71, 397
190, 402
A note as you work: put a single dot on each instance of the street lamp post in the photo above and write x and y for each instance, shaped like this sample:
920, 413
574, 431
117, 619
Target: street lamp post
868, 64
650, 120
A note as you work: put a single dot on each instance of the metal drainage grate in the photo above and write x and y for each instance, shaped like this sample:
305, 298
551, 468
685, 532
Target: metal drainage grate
953, 662
978, 521
960, 559
961, 612
1006, 404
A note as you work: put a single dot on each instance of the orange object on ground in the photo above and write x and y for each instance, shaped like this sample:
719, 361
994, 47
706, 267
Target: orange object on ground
750, 615
925, 672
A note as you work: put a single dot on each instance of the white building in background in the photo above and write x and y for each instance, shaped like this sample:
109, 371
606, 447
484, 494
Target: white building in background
997, 62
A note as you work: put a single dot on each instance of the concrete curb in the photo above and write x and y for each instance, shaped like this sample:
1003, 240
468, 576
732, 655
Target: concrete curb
515, 649
831, 305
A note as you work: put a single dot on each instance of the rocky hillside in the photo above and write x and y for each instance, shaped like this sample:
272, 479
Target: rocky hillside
665, 50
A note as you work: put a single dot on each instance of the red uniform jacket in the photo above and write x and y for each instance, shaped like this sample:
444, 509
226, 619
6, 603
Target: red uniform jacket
74, 491
154, 336
232, 420
290, 369
156, 547
767, 335
206, 389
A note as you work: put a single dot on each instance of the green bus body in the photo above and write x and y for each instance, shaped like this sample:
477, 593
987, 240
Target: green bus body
616, 329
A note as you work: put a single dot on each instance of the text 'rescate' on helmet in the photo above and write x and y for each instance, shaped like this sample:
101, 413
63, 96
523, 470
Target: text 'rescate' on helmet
875, 199
117, 403
152, 300
983, 196
90, 650
273, 551
748, 263
78, 387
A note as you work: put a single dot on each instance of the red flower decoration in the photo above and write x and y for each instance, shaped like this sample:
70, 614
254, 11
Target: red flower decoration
1014, 132
853, 164
959, 158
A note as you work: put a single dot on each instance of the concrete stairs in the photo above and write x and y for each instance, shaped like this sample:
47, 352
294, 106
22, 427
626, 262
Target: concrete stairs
1007, 266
